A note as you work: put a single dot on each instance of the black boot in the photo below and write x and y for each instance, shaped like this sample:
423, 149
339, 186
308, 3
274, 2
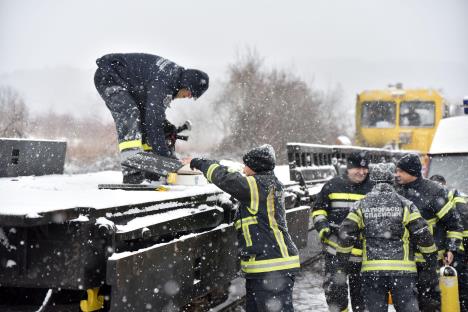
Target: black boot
133, 177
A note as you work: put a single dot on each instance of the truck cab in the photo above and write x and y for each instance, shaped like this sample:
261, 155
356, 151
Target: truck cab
449, 151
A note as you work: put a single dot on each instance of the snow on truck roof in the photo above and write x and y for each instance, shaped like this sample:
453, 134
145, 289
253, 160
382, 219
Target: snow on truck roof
451, 136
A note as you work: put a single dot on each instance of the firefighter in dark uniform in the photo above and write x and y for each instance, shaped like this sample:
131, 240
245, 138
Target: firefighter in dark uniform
461, 258
269, 258
138, 88
390, 226
330, 209
437, 208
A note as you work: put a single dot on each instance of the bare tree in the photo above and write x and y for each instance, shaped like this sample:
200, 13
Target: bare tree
13, 113
259, 106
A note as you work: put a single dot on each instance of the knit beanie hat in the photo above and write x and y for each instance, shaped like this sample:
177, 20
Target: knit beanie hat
357, 160
382, 173
260, 158
194, 80
411, 164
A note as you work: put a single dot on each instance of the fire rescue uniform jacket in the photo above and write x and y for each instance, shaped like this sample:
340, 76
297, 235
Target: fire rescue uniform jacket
461, 260
137, 89
461, 205
436, 206
331, 208
390, 227
266, 247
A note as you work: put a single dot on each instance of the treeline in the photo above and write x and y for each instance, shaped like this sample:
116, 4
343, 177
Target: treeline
255, 105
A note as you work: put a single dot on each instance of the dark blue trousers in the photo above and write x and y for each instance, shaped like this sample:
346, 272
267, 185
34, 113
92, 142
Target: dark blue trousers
270, 294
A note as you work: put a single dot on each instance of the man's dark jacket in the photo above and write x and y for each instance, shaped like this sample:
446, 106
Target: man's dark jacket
266, 248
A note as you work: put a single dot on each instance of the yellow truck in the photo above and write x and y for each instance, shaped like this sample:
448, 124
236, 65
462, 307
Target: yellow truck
398, 118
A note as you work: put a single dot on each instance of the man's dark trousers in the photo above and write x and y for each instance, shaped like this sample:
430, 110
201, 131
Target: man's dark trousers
403, 289
269, 294
336, 287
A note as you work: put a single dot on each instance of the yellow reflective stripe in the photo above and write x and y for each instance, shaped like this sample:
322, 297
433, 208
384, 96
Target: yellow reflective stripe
347, 196
388, 265
356, 252
248, 220
130, 144
405, 240
244, 223
354, 217
260, 266
406, 215
331, 243
418, 257
345, 310
146, 147
447, 207
274, 225
440, 254
318, 213
413, 216
210, 170
253, 209
344, 249
459, 200
429, 249
453, 234
432, 221
323, 230
465, 233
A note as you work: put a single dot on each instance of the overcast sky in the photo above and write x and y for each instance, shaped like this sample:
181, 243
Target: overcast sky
360, 44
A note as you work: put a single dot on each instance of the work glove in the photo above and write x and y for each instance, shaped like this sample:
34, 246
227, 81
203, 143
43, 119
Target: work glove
169, 128
195, 163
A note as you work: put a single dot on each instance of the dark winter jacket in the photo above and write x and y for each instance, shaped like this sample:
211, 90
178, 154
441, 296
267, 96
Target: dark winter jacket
462, 209
265, 244
436, 206
390, 226
152, 82
331, 208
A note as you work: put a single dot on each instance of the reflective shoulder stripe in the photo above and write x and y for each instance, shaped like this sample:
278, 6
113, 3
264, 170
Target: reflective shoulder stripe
270, 265
465, 233
146, 147
447, 207
318, 213
210, 170
459, 200
130, 144
453, 234
413, 216
429, 249
388, 265
346, 196
254, 197
274, 225
432, 221
406, 215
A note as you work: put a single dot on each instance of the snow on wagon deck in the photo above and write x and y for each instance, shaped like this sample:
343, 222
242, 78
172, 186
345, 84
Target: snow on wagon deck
34, 195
